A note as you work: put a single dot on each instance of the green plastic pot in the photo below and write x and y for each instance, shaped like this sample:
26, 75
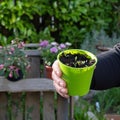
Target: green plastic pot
78, 79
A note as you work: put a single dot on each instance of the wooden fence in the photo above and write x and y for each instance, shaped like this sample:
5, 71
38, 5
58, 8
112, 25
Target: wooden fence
33, 98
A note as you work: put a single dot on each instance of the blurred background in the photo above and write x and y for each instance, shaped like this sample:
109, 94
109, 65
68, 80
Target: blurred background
87, 24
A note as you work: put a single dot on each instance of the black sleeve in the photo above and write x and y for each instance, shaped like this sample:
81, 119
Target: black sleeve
107, 72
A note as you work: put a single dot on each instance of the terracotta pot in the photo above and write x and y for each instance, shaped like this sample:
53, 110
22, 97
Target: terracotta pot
48, 72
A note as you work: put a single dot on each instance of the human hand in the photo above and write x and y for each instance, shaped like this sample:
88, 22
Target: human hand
58, 82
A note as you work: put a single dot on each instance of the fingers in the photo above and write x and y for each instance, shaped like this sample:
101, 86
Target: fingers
62, 91
56, 74
56, 68
58, 79
58, 82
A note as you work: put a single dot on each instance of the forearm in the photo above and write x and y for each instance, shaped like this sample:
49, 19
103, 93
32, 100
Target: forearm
107, 72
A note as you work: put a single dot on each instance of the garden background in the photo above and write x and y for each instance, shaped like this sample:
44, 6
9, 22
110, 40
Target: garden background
65, 20
84, 23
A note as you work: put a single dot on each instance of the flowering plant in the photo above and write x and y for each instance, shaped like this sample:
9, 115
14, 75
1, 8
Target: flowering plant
13, 61
50, 50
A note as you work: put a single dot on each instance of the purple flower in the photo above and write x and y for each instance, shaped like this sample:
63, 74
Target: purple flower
44, 43
17, 71
62, 46
53, 50
12, 67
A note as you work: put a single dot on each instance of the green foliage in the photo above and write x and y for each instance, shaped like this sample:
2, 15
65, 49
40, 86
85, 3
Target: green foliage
83, 17
45, 35
65, 20
72, 34
99, 38
109, 100
83, 110
19, 106
16, 16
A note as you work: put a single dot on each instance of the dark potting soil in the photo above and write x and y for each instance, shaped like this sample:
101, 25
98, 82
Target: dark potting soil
76, 60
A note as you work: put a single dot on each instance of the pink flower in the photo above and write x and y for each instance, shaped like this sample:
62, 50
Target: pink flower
11, 74
10, 52
1, 66
21, 45
12, 49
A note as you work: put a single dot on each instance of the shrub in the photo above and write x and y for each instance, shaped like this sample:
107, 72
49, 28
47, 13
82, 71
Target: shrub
65, 20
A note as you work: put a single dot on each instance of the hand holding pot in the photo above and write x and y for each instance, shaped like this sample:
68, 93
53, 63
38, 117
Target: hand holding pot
58, 82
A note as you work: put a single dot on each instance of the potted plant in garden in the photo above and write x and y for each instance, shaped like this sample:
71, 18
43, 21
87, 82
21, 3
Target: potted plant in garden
77, 67
14, 63
49, 52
